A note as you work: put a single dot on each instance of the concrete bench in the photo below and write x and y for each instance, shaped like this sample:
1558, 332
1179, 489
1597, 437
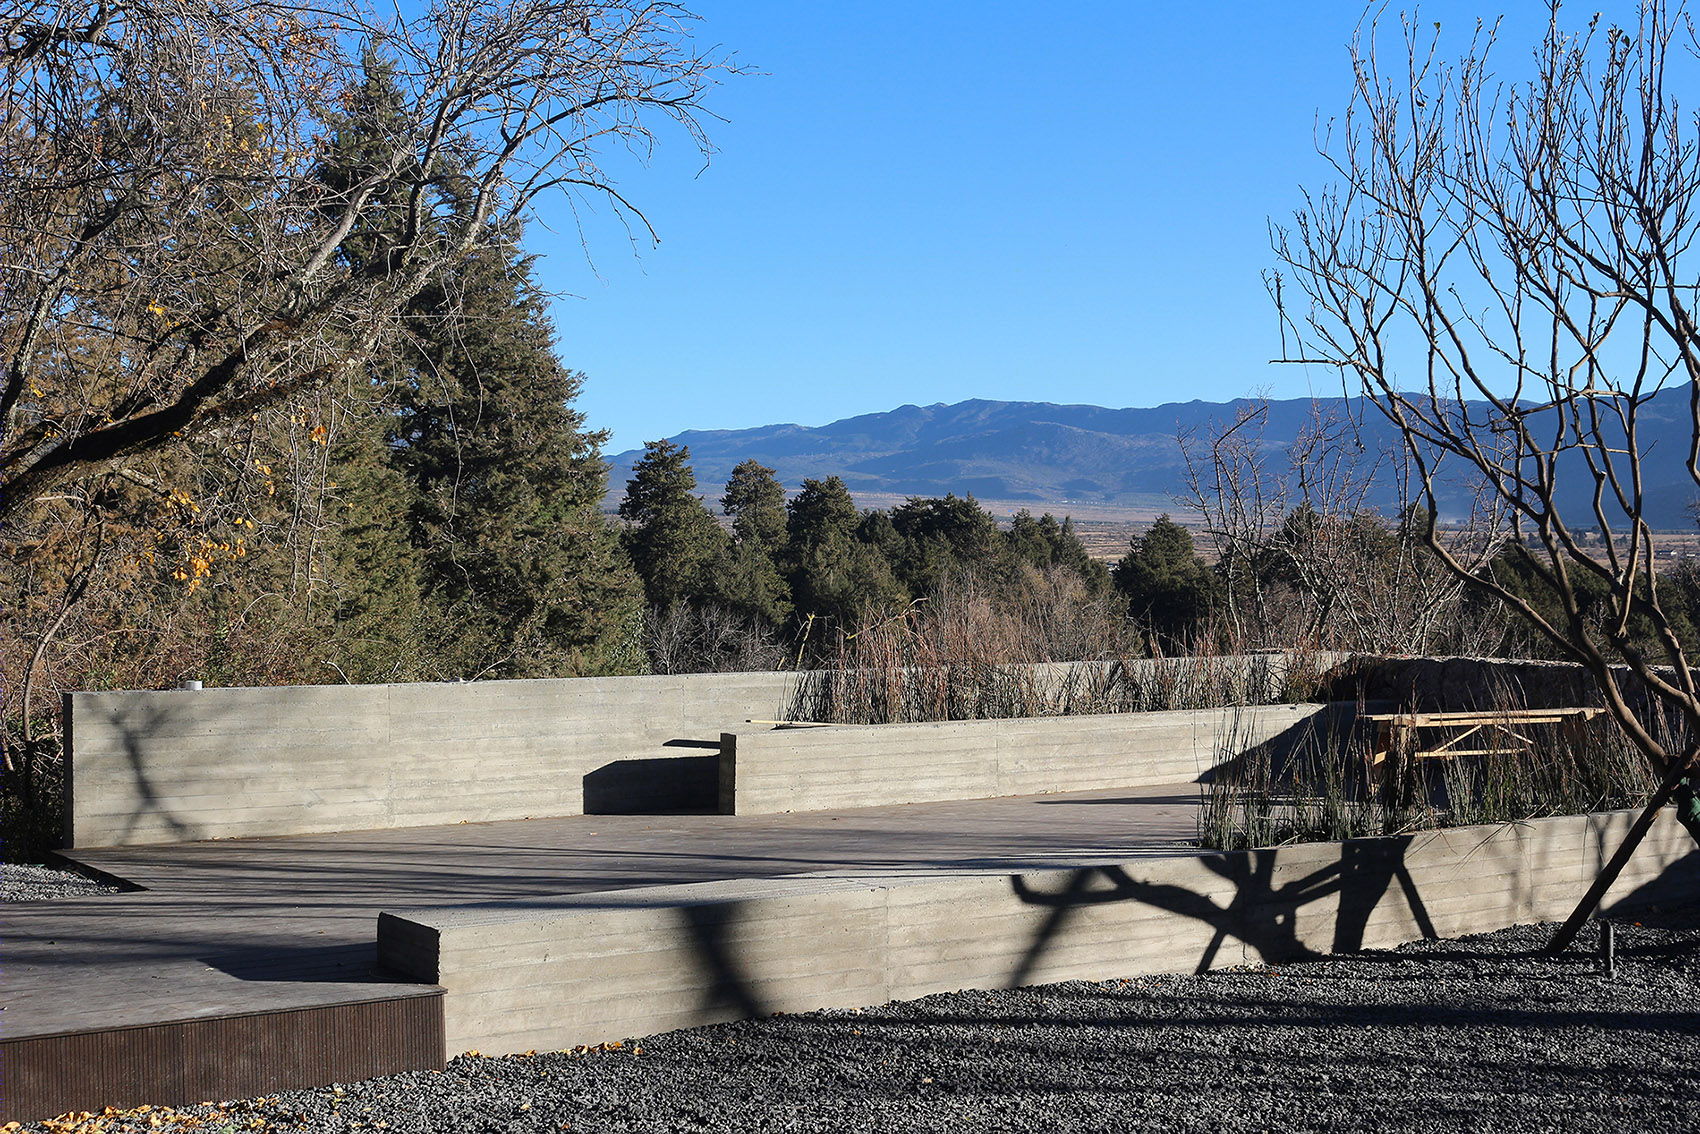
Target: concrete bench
764, 770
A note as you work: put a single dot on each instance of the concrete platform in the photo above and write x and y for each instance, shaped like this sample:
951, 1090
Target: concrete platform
254, 928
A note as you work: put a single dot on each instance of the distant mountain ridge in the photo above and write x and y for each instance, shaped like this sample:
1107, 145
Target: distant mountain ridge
1053, 455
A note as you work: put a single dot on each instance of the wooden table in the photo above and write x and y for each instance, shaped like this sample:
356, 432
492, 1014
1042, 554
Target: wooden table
1398, 732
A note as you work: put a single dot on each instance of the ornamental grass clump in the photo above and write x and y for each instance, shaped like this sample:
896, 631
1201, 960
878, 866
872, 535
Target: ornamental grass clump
964, 657
1329, 785
1311, 790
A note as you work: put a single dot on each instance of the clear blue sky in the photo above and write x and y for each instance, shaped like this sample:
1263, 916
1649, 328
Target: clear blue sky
931, 201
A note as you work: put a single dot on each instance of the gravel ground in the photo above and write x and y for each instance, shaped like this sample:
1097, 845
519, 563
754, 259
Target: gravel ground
1475, 1034
20, 883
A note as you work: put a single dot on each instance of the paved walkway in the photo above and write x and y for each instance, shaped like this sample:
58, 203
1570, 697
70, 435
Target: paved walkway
253, 925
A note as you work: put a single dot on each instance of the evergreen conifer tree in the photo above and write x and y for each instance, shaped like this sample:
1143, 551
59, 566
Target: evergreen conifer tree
674, 541
370, 567
1045, 543
750, 580
522, 575
947, 535
833, 572
1168, 587
756, 502
472, 452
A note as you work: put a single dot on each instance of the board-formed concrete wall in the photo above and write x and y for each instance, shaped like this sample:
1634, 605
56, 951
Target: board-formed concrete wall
224, 763
828, 767
152, 767
1428, 684
550, 973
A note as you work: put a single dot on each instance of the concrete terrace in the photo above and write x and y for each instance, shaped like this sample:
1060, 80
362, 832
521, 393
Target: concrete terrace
301, 917
267, 924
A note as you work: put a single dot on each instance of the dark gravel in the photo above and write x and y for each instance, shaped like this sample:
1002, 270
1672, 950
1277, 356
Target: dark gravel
22, 883
1475, 1034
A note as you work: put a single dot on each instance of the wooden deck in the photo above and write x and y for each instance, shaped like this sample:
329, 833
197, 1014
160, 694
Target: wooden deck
260, 929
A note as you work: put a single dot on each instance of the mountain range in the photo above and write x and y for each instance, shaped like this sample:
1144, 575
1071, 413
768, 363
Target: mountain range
1050, 456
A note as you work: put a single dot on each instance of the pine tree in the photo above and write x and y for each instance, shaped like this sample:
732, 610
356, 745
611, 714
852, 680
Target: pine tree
672, 538
1168, 587
833, 571
756, 502
522, 575
370, 567
945, 536
1044, 543
750, 581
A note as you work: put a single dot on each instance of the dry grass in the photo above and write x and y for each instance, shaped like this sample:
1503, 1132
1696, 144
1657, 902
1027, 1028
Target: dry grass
1324, 788
963, 657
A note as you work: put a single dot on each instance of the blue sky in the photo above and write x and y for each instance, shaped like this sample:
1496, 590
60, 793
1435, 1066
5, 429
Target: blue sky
931, 201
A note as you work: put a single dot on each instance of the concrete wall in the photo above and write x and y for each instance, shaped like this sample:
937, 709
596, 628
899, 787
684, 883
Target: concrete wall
769, 770
547, 974
225, 763
1459, 683
151, 767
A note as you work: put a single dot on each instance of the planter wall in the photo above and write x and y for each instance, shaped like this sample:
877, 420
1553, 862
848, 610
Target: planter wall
545, 974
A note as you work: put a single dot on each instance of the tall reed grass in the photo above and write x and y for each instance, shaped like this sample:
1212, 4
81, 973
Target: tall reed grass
1324, 788
963, 657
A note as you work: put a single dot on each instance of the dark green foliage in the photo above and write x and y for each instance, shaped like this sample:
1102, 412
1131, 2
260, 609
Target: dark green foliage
1168, 587
1518, 572
672, 538
877, 531
948, 536
822, 512
371, 568
465, 532
522, 573
749, 580
832, 572
756, 502
1043, 543
364, 139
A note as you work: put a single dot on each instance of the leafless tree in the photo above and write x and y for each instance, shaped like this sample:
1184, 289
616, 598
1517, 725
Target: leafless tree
1304, 513
171, 259
1504, 271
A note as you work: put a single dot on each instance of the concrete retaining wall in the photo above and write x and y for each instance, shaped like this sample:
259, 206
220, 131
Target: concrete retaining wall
152, 767
836, 766
225, 763
547, 974
1457, 683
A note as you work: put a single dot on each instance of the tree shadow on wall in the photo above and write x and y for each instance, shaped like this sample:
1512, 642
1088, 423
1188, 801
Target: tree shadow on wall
1262, 911
137, 730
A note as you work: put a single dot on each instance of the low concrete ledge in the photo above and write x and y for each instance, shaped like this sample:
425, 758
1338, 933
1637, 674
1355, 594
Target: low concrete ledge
824, 768
546, 974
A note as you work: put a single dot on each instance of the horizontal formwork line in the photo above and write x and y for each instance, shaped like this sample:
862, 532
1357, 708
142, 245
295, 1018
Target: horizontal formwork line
544, 1000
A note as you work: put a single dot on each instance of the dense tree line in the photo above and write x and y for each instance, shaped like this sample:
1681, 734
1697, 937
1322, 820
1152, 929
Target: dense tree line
787, 566
1362, 582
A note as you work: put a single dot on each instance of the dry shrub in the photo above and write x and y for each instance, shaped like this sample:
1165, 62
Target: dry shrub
1048, 651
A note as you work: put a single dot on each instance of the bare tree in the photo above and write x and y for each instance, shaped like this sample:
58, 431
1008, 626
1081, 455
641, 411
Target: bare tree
171, 259
1504, 271
1303, 551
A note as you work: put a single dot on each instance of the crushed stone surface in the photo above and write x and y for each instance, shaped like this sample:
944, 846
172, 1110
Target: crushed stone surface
24, 883
1479, 1034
